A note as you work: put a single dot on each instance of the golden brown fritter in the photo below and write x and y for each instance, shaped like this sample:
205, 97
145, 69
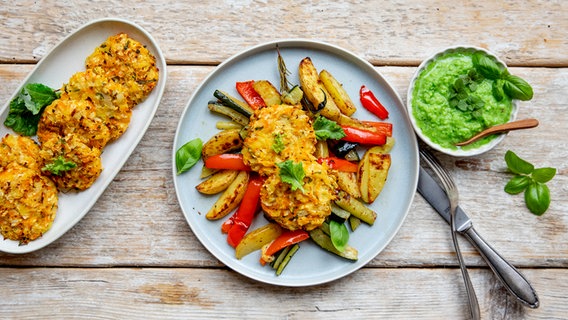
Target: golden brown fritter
21, 150
290, 127
108, 96
28, 202
76, 117
87, 160
129, 62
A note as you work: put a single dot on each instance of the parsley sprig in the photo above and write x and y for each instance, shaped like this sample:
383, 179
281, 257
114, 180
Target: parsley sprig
292, 173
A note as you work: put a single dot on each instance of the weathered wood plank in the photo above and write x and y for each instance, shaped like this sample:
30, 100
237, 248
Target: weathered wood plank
387, 33
132, 293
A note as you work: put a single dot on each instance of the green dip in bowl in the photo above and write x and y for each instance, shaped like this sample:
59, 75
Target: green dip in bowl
445, 112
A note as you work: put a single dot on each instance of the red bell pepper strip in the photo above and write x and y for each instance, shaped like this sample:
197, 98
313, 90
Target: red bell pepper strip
242, 219
287, 238
246, 90
363, 136
383, 127
229, 161
339, 164
371, 103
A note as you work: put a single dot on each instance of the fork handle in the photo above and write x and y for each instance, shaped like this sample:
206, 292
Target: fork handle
511, 278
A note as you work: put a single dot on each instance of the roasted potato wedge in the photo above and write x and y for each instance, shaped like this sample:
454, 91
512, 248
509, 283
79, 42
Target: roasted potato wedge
267, 92
231, 198
373, 172
347, 182
356, 208
217, 182
315, 90
224, 141
257, 238
337, 93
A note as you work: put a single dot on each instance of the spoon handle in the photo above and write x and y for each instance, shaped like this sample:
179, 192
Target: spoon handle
509, 126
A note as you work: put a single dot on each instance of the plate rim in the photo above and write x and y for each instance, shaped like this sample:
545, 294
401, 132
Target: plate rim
40, 242
308, 44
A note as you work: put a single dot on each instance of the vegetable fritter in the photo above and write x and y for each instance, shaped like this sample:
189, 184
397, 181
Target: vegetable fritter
28, 202
21, 150
71, 148
290, 127
128, 60
71, 116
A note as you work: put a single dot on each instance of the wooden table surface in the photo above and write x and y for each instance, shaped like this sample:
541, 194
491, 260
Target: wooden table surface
134, 256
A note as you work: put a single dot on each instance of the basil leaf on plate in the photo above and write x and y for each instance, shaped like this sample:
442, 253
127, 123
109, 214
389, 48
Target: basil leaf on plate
188, 155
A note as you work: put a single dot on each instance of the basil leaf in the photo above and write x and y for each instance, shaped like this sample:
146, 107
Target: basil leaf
486, 66
339, 235
517, 184
327, 129
537, 198
516, 164
543, 175
498, 92
292, 173
517, 88
188, 155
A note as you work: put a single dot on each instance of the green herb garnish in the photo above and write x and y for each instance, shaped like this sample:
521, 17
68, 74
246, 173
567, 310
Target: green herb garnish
339, 235
59, 165
292, 173
327, 129
462, 96
188, 155
505, 83
278, 144
27, 106
531, 180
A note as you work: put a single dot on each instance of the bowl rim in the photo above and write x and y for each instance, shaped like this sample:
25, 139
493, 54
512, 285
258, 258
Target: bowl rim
459, 152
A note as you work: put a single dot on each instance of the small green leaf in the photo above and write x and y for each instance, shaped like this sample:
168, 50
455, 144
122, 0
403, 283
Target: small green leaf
292, 173
59, 165
278, 144
537, 198
543, 175
516, 164
36, 96
486, 66
517, 88
517, 184
339, 235
327, 129
188, 155
498, 92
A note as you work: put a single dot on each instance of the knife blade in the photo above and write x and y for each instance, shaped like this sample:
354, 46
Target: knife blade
509, 276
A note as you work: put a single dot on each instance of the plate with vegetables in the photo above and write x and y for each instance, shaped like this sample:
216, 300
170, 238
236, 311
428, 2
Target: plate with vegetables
295, 163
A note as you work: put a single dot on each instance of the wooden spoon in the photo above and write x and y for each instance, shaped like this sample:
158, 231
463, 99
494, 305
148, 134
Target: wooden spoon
515, 125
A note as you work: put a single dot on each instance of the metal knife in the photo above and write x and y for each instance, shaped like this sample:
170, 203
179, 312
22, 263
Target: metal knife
511, 278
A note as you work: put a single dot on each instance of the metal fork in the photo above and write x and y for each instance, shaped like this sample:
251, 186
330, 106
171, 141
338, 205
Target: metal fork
453, 195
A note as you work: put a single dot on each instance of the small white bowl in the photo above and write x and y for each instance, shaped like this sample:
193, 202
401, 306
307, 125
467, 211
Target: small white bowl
459, 151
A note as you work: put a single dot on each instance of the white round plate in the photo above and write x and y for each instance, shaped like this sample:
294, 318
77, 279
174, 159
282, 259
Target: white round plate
53, 70
310, 265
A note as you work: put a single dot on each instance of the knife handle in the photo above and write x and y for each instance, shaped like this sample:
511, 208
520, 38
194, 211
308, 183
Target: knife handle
511, 278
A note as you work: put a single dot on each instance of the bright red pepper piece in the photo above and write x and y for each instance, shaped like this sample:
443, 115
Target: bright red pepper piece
363, 136
246, 90
230, 161
339, 164
242, 219
371, 103
381, 127
287, 238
